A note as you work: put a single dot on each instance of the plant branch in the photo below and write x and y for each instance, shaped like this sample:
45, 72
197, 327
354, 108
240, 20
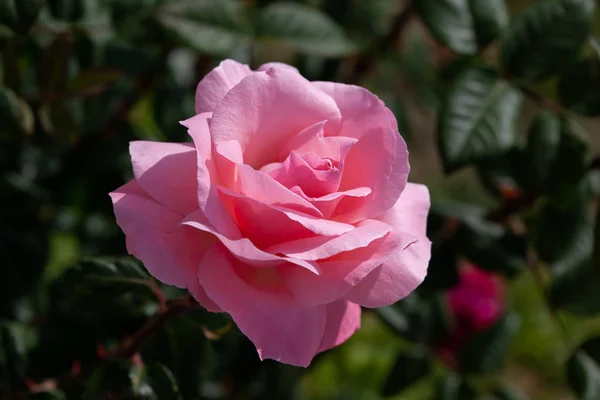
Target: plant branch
126, 349
366, 61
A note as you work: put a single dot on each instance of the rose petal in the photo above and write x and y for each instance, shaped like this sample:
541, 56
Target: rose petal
279, 327
380, 147
201, 297
266, 225
315, 176
208, 178
169, 252
313, 140
215, 85
400, 275
409, 214
394, 279
255, 184
243, 248
343, 319
277, 65
265, 110
321, 247
342, 272
166, 171
328, 204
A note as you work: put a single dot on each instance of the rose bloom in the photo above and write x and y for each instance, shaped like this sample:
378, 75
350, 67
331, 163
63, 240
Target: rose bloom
475, 304
289, 211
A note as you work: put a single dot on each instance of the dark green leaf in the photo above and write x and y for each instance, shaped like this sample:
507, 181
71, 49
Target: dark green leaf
19, 15
502, 175
592, 348
572, 161
92, 79
583, 375
464, 26
9, 111
67, 10
477, 119
506, 393
546, 37
409, 368
579, 87
16, 341
486, 352
304, 28
118, 377
491, 246
157, 382
216, 27
394, 319
542, 149
452, 387
442, 272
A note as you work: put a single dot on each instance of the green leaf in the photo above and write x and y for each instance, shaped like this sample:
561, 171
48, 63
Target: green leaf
562, 233
464, 26
452, 387
592, 348
57, 119
486, 352
572, 161
542, 149
491, 246
409, 368
579, 87
583, 375
478, 118
442, 272
19, 15
215, 27
304, 28
394, 319
16, 341
546, 37
159, 383
15, 114
92, 79
506, 393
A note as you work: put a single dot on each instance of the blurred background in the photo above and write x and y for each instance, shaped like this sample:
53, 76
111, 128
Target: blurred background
498, 101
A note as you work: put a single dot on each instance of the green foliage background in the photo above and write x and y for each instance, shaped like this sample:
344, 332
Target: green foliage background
498, 100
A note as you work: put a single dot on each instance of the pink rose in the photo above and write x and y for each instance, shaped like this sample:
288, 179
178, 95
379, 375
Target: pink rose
475, 305
290, 210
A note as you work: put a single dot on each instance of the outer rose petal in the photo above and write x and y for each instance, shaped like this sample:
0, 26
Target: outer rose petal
277, 65
400, 275
320, 247
364, 117
340, 273
208, 178
217, 83
394, 279
265, 110
166, 171
343, 319
279, 327
171, 253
